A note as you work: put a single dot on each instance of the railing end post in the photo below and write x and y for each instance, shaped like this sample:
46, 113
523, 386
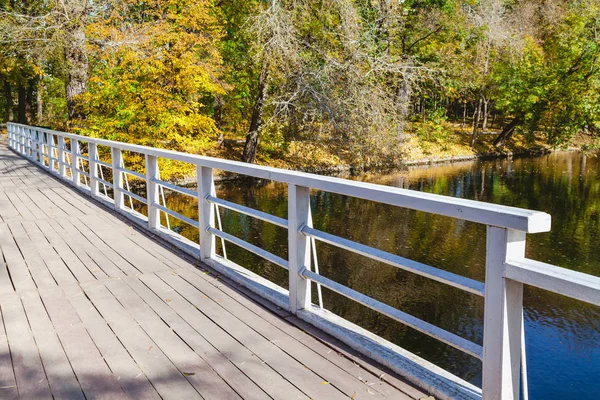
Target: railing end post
298, 246
503, 318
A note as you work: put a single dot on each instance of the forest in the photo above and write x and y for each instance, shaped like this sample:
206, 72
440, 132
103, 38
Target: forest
307, 83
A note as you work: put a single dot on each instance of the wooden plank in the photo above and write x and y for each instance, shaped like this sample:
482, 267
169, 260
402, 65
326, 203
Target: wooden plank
77, 268
16, 202
309, 381
225, 339
223, 366
86, 234
136, 255
38, 269
312, 358
86, 252
375, 369
206, 381
7, 209
95, 378
163, 251
249, 363
61, 203
55, 232
338, 354
51, 209
35, 210
8, 384
5, 281
62, 379
29, 371
168, 381
19, 273
55, 264
74, 199
129, 375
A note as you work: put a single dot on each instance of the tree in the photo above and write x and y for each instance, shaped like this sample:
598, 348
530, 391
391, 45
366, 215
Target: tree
554, 84
154, 68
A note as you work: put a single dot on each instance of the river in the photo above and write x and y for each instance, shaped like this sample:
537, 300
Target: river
562, 335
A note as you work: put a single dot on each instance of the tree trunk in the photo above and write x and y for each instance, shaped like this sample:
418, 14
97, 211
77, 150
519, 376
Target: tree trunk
481, 92
31, 84
476, 118
507, 132
485, 114
403, 94
10, 112
38, 102
464, 114
22, 106
77, 68
218, 117
257, 113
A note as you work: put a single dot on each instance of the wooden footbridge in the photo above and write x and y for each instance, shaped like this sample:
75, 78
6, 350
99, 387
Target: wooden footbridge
98, 301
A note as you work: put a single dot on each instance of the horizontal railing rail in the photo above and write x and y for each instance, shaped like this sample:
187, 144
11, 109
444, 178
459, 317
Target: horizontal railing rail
555, 279
507, 269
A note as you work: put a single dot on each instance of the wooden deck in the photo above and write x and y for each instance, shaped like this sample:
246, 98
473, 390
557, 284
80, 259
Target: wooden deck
93, 308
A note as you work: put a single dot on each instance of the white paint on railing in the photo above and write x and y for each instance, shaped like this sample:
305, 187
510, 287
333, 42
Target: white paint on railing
506, 268
563, 281
503, 316
206, 216
299, 246
449, 278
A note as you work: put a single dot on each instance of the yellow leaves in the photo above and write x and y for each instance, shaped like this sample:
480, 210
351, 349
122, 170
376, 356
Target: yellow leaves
155, 66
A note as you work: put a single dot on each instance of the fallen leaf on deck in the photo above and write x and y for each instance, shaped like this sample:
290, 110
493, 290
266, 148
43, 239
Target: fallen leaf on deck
324, 383
189, 373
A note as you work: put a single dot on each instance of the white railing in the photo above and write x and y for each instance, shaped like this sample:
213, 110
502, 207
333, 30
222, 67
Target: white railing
507, 269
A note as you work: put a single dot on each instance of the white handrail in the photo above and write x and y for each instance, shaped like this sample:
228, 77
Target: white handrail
484, 213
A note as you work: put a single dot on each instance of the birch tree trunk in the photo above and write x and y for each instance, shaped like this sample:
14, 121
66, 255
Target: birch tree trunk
77, 69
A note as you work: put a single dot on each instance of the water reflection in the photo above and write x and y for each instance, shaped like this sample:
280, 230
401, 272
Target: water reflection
563, 335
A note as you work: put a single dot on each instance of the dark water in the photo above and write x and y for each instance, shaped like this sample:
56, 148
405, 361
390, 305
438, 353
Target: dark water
562, 335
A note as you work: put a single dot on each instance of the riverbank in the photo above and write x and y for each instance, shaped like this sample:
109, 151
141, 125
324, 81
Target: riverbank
420, 147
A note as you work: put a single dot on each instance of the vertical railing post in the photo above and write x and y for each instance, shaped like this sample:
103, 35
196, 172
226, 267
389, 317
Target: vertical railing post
93, 168
49, 144
75, 161
61, 156
39, 147
23, 141
31, 144
8, 129
503, 317
27, 142
298, 246
206, 214
152, 191
117, 160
